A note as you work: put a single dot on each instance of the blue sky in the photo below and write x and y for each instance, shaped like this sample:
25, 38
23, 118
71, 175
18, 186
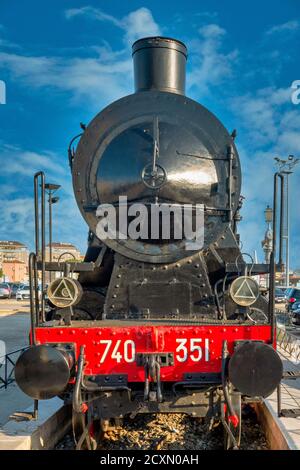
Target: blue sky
63, 61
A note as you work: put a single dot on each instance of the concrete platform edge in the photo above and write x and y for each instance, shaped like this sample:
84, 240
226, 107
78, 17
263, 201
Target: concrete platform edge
276, 435
37, 435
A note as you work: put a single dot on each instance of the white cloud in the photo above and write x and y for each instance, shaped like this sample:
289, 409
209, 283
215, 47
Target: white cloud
100, 79
268, 121
16, 214
107, 74
259, 113
209, 65
288, 27
8, 189
26, 163
212, 31
140, 23
17, 218
92, 12
137, 24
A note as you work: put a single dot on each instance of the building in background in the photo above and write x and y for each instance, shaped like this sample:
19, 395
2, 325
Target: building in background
12, 250
15, 271
13, 261
64, 250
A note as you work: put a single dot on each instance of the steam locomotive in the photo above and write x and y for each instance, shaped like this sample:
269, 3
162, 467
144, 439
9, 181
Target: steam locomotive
152, 324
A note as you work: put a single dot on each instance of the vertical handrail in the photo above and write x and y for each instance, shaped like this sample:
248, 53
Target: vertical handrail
40, 175
36, 287
34, 307
36, 214
273, 253
280, 262
230, 159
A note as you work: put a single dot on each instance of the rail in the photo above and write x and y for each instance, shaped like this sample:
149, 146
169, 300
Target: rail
290, 343
283, 318
7, 377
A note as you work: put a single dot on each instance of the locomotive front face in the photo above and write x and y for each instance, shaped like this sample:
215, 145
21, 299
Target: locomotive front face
151, 325
158, 147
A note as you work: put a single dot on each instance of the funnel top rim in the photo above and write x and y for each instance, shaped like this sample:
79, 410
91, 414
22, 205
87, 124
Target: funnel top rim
159, 41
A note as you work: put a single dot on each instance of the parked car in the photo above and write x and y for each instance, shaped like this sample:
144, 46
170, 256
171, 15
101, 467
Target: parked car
23, 292
5, 291
295, 313
287, 291
14, 286
292, 296
280, 295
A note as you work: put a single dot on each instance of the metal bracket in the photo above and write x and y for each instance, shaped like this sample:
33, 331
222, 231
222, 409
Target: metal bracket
203, 378
152, 363
27, 415
112, 380
164, 359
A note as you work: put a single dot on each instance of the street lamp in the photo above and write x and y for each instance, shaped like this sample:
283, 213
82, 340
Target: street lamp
286, 169
268, 215
51, 189
267, 242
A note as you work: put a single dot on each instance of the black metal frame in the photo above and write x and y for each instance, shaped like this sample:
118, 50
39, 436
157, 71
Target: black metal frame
273, 252
277, 176
8, 376
40, 250
37, 314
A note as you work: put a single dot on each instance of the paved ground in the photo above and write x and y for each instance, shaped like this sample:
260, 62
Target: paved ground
290, 399
14, 323
14, 328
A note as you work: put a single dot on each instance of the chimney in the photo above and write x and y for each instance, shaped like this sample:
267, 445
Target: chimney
159, 64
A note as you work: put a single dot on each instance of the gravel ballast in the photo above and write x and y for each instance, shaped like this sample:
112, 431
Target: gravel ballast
174, 432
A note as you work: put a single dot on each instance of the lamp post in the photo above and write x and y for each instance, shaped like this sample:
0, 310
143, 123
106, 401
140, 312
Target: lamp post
267, 243
51, 189
286, 169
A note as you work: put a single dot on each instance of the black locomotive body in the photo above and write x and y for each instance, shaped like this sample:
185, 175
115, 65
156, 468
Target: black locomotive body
153, 324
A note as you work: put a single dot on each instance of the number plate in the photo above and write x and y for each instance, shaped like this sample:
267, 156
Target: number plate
195, 349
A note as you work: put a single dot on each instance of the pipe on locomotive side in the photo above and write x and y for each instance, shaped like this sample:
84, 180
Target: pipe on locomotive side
159, 64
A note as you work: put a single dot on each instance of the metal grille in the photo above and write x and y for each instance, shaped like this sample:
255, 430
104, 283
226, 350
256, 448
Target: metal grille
289, 343
7, 367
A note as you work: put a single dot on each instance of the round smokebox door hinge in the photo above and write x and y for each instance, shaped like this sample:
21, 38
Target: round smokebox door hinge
154, 178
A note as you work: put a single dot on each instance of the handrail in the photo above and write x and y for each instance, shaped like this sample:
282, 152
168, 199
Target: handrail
40, 251
273, 253
8, 379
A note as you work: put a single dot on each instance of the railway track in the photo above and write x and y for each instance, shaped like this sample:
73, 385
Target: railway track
174, 432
